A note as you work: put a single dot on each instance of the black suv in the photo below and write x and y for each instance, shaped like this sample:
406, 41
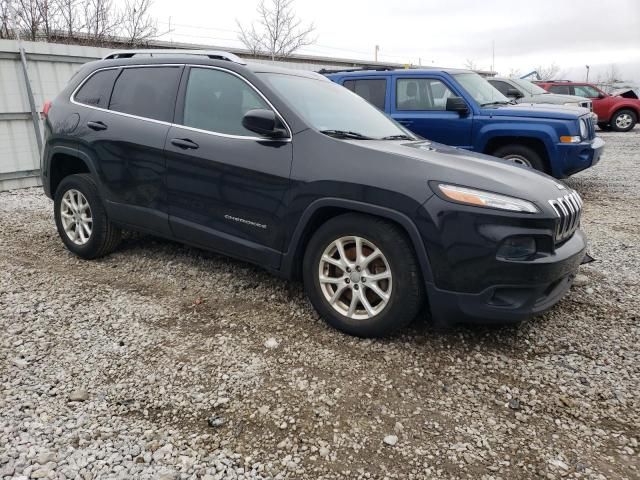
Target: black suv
294, 173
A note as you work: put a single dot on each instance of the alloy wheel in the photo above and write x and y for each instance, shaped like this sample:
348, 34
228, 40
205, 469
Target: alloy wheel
623, 121
355, 277
75, 213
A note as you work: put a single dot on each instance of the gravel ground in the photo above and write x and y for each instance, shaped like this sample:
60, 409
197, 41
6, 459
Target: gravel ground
162, 361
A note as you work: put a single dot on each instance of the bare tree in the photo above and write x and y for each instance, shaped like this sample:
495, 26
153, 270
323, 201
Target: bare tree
515, 73
470, 64
548, 72
49, 19
279, 32
5, 20
137, 25
100, 20
69, 17
612, 75
29, 18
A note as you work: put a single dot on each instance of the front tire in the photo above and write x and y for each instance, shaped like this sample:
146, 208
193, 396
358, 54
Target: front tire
623, 121
362, 276
521, 155
81, 219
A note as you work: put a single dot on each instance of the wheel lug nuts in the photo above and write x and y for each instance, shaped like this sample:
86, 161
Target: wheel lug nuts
346, 280
356, 286
348, 270
363, 279
358, 268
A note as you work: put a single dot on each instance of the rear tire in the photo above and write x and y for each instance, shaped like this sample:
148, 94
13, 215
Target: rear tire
81, 218
623, 121
369, 294
522, 155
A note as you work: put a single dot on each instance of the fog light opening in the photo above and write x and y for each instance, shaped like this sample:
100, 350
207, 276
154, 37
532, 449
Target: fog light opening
517, 248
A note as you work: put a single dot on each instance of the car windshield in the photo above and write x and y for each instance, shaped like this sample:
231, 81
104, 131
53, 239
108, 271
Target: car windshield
482, 91
530, 87
333, 109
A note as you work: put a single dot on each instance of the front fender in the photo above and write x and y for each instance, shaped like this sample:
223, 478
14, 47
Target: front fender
290, 257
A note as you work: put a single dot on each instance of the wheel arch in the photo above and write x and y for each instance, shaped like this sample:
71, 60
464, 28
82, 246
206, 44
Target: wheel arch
62, 162
536, 144
324, 209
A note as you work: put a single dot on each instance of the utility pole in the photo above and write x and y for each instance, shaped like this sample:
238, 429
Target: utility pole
587, 73
375, 52
493, 56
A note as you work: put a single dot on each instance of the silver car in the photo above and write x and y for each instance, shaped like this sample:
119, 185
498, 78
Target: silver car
524, 91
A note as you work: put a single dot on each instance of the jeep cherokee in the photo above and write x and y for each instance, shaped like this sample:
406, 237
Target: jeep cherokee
296, 174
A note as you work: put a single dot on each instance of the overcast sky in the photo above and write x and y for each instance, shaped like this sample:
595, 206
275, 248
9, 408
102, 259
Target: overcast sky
570, 33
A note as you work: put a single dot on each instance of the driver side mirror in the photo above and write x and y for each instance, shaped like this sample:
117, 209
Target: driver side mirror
457, 104
601, 95
264, 122
515, 93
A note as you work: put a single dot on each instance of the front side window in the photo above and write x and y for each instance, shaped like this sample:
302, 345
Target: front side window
528, 86
216, 101
585, 91
421, 94
503, 87
373, 91
327, 106
147, 92
97, 89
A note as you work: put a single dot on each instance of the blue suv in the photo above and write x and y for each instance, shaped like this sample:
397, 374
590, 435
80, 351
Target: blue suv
460, 108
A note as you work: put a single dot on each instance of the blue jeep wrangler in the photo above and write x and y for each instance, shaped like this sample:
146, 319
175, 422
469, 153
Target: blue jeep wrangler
460, 108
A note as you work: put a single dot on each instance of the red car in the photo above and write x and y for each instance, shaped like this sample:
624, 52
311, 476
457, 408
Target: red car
614, 112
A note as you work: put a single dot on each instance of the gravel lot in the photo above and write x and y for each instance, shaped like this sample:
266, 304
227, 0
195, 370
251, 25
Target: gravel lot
162, 361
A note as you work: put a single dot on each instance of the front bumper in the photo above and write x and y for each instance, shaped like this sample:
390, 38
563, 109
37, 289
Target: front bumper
579, 156
542, 282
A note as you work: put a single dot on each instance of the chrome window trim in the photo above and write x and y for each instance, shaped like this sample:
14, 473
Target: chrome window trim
171, 124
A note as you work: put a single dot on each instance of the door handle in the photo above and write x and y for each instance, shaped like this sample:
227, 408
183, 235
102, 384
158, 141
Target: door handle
405, 122
184, 143
96, 126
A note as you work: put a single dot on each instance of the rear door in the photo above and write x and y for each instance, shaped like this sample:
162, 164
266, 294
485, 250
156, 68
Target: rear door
420, 105
226, 185
127, 139
373, 89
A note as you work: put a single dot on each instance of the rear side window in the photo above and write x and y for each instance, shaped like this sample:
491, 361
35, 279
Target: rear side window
147, 92
97, 89
373, 91
561, 89
421, 94
216, 101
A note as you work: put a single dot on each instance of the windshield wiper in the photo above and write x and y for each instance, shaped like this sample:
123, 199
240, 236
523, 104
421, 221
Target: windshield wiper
502, 102
345, 134
398, 137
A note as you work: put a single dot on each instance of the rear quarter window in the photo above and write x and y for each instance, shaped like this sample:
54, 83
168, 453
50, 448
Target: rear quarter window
97, 89
148, 92
372, 90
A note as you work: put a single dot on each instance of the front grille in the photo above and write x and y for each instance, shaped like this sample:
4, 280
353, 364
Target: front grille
591, 127
568, 210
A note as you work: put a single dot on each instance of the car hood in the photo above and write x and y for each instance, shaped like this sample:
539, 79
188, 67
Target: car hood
536, 110
553, 98
461, 167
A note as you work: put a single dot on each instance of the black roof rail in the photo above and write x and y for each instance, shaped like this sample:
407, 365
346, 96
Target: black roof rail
212, 54
377, 68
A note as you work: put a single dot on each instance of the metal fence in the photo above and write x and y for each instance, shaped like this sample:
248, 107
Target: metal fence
49, 67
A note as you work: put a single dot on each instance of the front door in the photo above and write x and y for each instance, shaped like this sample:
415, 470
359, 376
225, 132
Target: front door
226, 185
420, 105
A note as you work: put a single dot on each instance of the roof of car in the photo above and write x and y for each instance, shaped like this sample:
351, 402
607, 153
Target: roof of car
190, 59
403, 71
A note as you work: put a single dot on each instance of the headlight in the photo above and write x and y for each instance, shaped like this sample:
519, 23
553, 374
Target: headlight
481, 198
584, 129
